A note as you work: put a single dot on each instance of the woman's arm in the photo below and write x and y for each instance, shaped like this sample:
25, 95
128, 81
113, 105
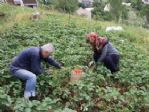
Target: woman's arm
104, 52
96, 57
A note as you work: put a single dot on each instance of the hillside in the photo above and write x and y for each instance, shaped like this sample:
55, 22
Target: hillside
127, 91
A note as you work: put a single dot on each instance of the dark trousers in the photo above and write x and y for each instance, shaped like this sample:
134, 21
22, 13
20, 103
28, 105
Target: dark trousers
112, 62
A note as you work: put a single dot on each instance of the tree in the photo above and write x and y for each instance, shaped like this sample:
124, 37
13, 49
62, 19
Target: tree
116, 8
66, 5
145, 12
136, 4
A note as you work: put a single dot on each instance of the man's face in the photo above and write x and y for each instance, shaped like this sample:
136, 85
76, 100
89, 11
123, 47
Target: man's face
46, 54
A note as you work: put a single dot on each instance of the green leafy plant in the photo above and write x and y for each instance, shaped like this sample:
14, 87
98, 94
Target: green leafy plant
99, 90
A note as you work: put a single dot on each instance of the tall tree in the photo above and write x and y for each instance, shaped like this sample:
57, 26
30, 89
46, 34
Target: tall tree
66, 5
116, 8
145, 12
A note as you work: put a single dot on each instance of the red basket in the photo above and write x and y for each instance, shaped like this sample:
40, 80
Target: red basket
77, 72
76, 75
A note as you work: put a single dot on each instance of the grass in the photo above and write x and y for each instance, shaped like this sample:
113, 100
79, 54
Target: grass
13, 15
22, 15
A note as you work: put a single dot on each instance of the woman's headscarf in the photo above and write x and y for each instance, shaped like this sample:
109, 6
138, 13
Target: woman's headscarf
97, 42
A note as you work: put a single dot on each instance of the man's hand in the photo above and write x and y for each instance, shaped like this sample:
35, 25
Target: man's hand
61, 64
62, 67
50, 71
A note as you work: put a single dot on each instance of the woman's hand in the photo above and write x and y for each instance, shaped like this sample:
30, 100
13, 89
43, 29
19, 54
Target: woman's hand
91, 64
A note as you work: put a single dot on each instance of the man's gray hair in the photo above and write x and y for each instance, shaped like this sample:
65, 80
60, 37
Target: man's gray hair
48, 47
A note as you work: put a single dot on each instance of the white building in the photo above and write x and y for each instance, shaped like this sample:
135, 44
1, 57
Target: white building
29, 3
87, 12
18, 2
86, 3
2, 1
107, 8
145, 1
126, 4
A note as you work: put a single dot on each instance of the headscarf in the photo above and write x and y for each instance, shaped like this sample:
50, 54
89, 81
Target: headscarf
48, 47
97, 42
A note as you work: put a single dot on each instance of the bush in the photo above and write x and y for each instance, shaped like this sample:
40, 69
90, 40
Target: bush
98, 12
142, 10
116, 12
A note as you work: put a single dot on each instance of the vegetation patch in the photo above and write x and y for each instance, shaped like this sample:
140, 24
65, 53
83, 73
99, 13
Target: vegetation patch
99, 90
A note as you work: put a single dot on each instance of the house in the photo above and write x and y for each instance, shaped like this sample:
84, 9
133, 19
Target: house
107, 8
28, 3
145, 1
2, 1
18, 2
126, 4
9, 1
85, 0
86, 3
87, 12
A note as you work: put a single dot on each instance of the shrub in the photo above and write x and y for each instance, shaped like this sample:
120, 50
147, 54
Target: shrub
98, 12
142, 10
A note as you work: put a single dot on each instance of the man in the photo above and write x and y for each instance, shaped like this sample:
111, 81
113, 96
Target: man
27, 66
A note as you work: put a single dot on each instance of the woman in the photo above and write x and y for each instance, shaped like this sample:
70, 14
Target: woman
104, 51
